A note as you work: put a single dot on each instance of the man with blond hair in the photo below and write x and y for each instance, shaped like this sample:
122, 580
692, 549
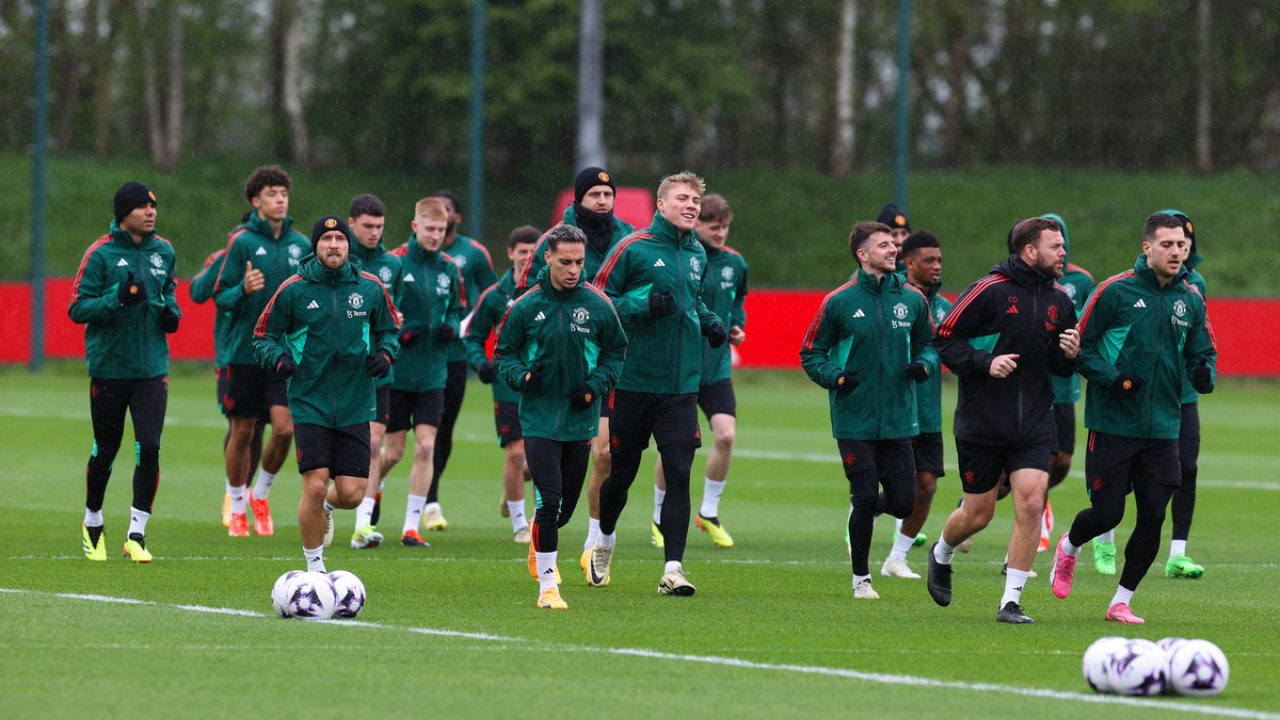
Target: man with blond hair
431, 296
654, 278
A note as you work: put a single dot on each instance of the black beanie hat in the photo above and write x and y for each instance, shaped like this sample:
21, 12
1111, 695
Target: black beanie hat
131, 195
328, 223
589, 178
893, 217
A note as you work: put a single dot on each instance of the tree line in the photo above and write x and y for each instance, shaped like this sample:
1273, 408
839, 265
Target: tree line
707, 84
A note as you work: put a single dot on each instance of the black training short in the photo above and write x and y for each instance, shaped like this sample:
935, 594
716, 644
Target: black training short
250, 391
1064, 417
881, 458
982, 465
718, 399
506, 419
1113, 465
670, 419
928, 451
606, 407
383, 412
410, 408
344, 450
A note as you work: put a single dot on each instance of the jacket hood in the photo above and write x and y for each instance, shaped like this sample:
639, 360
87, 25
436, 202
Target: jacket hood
1194, 258
1023, 274
312, 271
1066, 237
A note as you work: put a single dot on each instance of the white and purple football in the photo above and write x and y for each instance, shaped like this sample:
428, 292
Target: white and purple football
1097, 660
279, 593
349, 592
1139, 667
310, 596
1198, 669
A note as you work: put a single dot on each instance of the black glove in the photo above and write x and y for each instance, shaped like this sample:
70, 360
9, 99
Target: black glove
286, 368
445, 333
846, 382
1202, 378
532, 380
661, 304
131, 292
378, 365
408, 337
918, 371
169, 320
716, 336
1127, 386
582, 395
486, 372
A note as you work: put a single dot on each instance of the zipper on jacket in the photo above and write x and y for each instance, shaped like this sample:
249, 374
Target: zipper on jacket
880, 348
679, 341
563, 329
333, 322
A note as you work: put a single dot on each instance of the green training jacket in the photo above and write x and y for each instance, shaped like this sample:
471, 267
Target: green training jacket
929, 392
490, 308
1078, 284
724, 290
594, 256
124, 342
277, 257
386, 267
665, 354
329, 322
476, 268
201, 291
875, 329
430, 297
1132, 325
571, 336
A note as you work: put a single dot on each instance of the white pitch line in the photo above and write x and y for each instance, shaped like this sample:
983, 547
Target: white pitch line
880, 678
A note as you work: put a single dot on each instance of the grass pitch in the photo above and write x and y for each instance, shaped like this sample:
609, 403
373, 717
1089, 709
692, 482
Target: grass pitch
451, 631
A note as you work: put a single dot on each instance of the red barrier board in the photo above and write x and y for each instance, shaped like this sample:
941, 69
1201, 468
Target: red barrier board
1245, 329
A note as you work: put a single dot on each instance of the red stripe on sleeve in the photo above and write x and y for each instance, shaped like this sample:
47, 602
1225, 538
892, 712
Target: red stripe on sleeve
1093, 299
75, 286
979, 288
811, 334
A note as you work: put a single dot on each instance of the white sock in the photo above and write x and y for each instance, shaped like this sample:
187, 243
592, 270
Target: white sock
1068, 548
711, 492
1013, 584
1177, 547
238, 499
413, 513
229, 486
138, 521
607, 541
658, 497
315, 558
897, 526
364, 513
1108, 536
328, 508
943, 553
546, 570
381, 484
673, 566
518, 520
859, 578
901, 544
1123, 595
433, 507
92, 518
262, 488
593, 533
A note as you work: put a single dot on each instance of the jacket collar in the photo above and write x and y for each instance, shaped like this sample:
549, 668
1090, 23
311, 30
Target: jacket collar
417, 253
122, 237
868, 281
312, 270
365, 254
1023, 274
662, 229
544, 281
1148, 276
257, 224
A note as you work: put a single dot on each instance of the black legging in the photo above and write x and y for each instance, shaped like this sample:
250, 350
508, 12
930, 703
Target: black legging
145, 400
1105, 513
886, 463
677, 460
558, 469
1184, 499
455, 390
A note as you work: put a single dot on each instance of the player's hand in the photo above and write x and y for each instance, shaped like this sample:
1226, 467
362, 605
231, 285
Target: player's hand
716, 336
169, 320
445, 333
378, 364
408, 337
254, 280
1069, 341
846, 382
131, 291
1127, 386
918, 371
1202, 378
662, 304
486, 372
1002, 366
286, 368
532, 380
582, 395
737, 335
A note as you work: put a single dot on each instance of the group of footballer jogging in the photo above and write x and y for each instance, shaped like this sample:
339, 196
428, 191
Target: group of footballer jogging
605, 338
